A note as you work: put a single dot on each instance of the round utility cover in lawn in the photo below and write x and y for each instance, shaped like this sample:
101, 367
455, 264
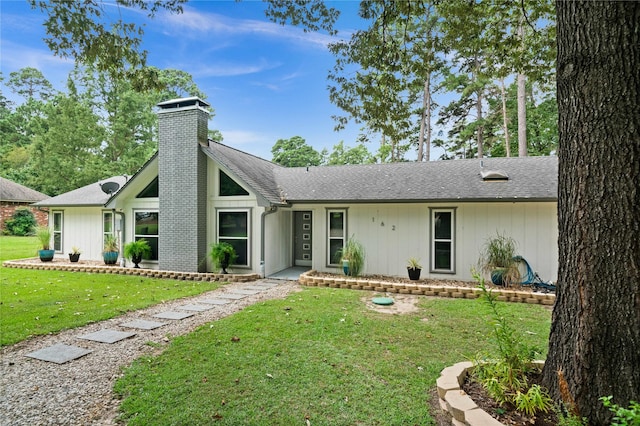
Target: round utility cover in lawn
382, 300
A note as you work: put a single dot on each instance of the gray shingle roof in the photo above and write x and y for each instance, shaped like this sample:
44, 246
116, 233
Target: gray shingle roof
89, 195
530, 178
11, 191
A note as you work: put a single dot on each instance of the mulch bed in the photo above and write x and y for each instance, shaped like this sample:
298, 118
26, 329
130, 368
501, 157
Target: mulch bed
506, 414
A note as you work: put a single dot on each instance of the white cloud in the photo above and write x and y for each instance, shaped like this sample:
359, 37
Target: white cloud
194, 24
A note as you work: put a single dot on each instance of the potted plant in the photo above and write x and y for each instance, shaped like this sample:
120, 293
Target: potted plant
111, 250
414, 269
136, 250
352, 256
43, 233
74, 256
497, 259
223, 255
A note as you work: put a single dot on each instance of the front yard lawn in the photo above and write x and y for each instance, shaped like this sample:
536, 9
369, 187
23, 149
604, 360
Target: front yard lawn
35, 302
320, 355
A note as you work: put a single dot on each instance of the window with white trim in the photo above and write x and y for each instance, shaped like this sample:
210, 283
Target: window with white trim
336, 234
57, 230
107, 225
146, 227
234, 228
442, 240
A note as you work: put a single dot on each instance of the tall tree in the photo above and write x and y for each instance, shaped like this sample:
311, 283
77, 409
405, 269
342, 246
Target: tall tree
65, 155
84, 32
295, 152
595, 332
341, 155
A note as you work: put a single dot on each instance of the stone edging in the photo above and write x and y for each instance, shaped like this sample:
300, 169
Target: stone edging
534, 298
149, 273
457, 403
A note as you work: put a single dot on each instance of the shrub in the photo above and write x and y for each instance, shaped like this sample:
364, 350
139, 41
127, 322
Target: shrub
505, 378
623, 416
21, 223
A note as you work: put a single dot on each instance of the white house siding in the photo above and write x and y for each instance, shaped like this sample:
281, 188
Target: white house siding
278, 241
245, 202
82, 228
392, 233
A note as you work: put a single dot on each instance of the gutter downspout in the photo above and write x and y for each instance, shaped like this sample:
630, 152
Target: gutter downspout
122, 230
263, 216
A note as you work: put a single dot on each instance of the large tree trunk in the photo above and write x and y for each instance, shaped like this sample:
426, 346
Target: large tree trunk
522, 115
505, 121
522, 105
595, 332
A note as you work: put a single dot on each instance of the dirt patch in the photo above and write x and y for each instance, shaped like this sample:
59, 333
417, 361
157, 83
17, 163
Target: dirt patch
402, 304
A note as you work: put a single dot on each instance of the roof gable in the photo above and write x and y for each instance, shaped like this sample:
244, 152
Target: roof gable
89, 195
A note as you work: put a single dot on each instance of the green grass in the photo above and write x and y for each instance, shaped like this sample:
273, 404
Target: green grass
36, 302
319, 355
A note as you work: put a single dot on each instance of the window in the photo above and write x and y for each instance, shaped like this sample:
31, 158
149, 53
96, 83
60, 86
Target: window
336, 237
146, 226
151, 191
233, 228
107, 225
229, 187
442, 239
57, 231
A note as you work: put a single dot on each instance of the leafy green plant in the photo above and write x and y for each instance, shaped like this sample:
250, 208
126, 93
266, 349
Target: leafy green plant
497, 257
505, 378
21, 223
567, 418
43, 233
623, 416
353, 252
222, 255
139, 248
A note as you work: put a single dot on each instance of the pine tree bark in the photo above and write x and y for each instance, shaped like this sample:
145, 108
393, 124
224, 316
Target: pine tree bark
595, 332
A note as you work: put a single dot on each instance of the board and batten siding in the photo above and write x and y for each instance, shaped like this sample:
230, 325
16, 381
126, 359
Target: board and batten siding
82, 227
393, 233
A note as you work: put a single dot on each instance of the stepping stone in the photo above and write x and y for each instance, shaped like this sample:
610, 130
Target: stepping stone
215, 301
172, 315
245, 292
195, 308
59, 353
232, 296
107, 336
256, 287
266, 284
143, 324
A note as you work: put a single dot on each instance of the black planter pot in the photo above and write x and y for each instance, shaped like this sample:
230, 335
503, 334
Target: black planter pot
224, 263
414, 273
136, 260
46, 255
74, 257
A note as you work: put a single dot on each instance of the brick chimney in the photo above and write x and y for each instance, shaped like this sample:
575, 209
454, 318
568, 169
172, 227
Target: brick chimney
182, 179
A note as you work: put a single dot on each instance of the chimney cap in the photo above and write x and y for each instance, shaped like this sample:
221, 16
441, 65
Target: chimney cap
183, 102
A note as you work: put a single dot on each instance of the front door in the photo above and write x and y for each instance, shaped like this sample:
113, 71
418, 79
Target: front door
302, 238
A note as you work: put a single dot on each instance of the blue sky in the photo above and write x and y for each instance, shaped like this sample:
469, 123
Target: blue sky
265, 81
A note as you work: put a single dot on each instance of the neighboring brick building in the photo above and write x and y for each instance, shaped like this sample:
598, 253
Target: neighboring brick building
14, 196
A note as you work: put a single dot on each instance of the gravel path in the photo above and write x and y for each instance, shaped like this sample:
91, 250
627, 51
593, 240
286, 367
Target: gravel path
79, 392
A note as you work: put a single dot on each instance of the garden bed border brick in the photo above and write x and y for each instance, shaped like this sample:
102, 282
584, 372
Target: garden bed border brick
149, 273
310, 279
